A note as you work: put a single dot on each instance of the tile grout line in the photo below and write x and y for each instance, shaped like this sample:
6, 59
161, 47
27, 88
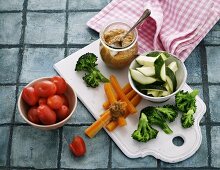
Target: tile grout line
66, 29
20, 55
204, 71
59, 155
110, 154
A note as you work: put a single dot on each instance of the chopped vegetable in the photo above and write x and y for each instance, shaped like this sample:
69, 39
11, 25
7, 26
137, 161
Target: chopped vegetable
144, 132
155, 118
93, 76
186, 102
120, 93
92, 130
168, 111
154, 69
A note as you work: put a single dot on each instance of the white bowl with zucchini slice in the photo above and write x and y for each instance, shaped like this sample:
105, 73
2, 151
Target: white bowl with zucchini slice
157, 75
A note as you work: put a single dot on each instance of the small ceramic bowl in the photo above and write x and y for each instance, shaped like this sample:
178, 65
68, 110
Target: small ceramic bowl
70, 95
181, 75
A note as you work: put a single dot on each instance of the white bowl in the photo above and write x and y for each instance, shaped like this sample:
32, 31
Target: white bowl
71, 97
181, 75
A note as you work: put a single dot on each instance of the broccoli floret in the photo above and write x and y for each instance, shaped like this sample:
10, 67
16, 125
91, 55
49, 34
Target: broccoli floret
93, 77
156, 119
169, 112
144, 132
86, 62
186, 102
187, 119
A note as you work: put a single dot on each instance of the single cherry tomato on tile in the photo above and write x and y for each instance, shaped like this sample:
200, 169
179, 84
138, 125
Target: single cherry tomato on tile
33, 115
78, 146
29, 95
45, 88
60, 83
65, 100
55, 101
42, 101
62, 112
46, 115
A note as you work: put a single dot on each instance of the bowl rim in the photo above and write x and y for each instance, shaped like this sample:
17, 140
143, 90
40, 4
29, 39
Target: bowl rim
45, 126
163, 97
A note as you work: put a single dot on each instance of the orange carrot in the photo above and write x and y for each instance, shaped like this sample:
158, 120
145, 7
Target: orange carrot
120, 93
109, 93
92, 130
122, 121
113, 124
126, 89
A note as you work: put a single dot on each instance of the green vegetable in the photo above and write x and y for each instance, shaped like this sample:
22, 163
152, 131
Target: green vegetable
144, 132
186, 102
155, 118
169, 112
93, 76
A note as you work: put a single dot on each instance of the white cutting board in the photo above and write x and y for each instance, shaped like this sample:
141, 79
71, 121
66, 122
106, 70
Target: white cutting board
162, 147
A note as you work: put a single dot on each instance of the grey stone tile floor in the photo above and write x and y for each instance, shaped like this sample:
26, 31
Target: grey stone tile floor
35, 34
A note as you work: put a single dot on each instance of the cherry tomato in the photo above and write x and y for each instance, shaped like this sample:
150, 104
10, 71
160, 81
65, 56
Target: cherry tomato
54, 102
78, 146
33, 115
46, 115
62, 112
42, 101
29, 95
45, 88
65, 101
60, 83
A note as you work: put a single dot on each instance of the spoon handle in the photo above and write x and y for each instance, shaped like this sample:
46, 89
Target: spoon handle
146, 13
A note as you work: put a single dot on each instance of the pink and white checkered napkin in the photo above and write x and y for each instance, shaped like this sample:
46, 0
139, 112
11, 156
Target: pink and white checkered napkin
176, 26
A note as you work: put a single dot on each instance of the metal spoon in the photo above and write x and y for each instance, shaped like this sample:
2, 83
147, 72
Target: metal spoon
119, 40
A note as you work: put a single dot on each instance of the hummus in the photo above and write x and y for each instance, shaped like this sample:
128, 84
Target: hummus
121, 57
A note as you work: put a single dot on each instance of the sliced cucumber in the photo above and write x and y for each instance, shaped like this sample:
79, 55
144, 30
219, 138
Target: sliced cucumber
153, 54
164, 93
171, 79
140, 78
160, 68
154, 93
146, 61
147, 71
173, 66
164, 57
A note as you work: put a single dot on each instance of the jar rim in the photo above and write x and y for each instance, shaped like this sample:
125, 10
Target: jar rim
125, 22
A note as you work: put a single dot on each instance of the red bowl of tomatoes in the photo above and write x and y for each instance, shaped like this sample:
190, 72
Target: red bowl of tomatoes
47, 103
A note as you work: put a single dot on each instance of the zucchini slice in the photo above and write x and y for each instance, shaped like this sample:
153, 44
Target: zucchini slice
153, 87
140, 78
147, 71
154, 93
173, 66
160, 68
171, 79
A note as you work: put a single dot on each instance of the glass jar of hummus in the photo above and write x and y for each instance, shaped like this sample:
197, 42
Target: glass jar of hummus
115, 51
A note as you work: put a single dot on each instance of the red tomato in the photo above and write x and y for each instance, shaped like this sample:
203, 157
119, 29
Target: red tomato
78, 146
42, 101
62, 112
46, 115
29, 95
60, 83
55, 101
65, 101
33, 116
45, 88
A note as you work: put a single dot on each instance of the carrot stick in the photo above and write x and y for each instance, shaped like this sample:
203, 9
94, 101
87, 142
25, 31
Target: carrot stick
126, 89
113, 124
122, 96
109, 93
92, 130
122, 121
